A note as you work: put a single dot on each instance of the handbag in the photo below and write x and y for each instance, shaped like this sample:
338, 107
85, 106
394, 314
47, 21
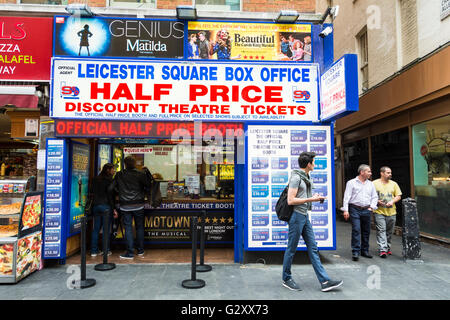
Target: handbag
89, 206
154, 197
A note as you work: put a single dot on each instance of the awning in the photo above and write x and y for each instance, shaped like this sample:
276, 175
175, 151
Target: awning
18, 96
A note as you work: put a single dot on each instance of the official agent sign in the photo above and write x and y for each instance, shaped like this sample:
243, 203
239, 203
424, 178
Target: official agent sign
162, 90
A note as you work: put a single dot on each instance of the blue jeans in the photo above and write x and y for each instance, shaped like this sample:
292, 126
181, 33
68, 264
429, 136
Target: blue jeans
299, 224
138, 216
98, 212
360, 220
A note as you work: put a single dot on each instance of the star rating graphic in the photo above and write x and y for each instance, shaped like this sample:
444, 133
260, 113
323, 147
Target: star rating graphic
223, 220
253, 57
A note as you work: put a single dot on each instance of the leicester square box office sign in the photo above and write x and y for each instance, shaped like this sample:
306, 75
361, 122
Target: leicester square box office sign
118, 37
25, 48
170, 90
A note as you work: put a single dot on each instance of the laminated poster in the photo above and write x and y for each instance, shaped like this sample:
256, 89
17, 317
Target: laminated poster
272, 155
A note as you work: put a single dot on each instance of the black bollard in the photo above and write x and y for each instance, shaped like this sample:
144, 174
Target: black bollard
83, 282
202, 267
105, 266
193, 283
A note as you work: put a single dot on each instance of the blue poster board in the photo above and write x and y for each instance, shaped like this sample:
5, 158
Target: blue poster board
55, 199
272, 152
79, 185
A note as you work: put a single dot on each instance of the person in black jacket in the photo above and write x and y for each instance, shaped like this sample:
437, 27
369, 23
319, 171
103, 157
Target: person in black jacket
102, 202
132, 186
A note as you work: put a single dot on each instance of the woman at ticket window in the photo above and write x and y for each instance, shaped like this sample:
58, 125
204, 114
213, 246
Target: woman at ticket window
102, 204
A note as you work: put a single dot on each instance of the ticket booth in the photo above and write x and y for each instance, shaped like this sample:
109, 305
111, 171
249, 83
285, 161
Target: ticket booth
223, 135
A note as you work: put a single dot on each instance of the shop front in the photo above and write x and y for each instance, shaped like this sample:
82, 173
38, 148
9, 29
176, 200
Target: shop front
406, 130
221, 135
24, 71
196, 177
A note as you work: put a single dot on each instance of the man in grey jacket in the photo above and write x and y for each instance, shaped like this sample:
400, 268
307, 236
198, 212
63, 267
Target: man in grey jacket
300, 196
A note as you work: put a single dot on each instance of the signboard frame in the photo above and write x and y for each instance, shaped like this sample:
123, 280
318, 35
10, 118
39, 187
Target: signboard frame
72, 228
247, 196
350, 79
62, 243
299, 99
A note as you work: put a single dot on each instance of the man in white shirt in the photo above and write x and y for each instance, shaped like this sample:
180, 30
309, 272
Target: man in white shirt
360, 200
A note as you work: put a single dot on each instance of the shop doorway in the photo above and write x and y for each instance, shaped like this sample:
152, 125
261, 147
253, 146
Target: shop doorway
392, 149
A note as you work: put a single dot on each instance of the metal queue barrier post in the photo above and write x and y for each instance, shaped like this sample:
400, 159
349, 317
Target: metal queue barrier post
203, 267
83, 282
105, 266
193, 283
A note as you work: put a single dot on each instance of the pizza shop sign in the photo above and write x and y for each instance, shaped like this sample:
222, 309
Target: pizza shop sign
157, 90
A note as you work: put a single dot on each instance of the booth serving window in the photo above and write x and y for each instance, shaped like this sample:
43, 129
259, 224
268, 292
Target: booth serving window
431, 156
184, 170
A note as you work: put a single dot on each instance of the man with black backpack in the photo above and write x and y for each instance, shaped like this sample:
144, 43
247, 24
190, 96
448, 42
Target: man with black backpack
132, 186
300, 197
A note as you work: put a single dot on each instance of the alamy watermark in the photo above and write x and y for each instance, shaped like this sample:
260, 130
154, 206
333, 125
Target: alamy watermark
374, 279
74, 280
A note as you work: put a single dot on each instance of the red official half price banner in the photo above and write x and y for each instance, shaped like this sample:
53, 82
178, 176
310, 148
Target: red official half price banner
162, 90
142, 129
25, 48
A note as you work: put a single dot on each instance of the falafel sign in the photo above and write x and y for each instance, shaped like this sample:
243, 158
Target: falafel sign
165, 90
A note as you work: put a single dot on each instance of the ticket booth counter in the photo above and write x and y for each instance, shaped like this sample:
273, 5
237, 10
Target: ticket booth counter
204, 188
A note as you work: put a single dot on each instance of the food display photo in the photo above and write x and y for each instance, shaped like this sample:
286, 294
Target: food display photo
31, 212
28, 255
6, 259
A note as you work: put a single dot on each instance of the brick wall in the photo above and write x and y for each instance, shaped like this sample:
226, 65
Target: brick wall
172, 4
408, 13
91, 3
277, 5
247, 5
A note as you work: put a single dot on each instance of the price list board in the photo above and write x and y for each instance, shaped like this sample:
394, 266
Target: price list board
272, 156
54, 198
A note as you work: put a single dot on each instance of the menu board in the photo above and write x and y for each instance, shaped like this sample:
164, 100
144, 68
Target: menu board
31, 215
272, 155
54, 198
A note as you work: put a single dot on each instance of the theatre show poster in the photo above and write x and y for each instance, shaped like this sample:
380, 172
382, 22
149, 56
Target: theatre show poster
79, 184
272, 156
120, 38
249, 41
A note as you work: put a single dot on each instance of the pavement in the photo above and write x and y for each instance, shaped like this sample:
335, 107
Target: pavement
366, 279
